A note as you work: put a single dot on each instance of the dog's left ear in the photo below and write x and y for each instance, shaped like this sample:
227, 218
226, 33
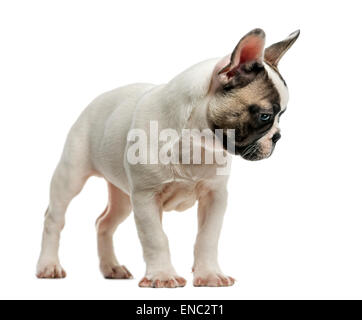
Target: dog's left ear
275, 52
242, 65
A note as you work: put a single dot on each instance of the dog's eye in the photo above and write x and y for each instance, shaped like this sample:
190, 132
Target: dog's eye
264, 117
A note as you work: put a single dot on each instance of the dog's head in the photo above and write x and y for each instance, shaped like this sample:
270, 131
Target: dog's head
249, 95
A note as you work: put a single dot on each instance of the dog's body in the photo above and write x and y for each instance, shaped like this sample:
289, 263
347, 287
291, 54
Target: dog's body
196, 99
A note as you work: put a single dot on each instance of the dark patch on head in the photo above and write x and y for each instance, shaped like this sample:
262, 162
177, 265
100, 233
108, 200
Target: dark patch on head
243, 76
254, 108
248, 109
276, 108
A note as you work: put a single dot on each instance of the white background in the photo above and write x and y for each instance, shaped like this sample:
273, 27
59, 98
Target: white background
293, 224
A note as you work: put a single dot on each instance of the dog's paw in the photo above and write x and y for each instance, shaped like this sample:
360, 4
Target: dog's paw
50, 270
212, 279
162, 280
115, 271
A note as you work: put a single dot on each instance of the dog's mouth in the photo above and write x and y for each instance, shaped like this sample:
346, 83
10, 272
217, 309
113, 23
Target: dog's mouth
251, 151
248, 152
248, 147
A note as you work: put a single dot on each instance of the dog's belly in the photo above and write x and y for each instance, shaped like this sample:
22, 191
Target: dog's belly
180, 196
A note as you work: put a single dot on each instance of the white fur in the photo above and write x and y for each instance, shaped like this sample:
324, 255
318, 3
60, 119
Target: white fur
279, 85
97, 145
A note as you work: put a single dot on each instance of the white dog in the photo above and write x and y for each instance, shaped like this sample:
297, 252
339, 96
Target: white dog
243, 91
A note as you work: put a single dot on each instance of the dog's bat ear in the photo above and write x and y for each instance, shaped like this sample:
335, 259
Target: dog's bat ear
235, 67
275, 52
249, 49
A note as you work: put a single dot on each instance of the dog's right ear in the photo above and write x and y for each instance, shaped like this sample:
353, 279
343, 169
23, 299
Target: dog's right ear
239, 68
275, 52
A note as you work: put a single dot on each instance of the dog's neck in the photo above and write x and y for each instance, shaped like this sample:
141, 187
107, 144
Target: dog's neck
186, 97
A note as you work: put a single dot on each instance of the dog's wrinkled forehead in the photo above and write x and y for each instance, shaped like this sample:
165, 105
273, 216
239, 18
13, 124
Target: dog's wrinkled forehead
264, 90
267, 91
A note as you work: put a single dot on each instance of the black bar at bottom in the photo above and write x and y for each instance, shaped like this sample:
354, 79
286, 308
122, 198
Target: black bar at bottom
183, 309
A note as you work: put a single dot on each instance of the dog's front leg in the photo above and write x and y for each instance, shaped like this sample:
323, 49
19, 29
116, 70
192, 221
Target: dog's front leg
206, 268
159, 271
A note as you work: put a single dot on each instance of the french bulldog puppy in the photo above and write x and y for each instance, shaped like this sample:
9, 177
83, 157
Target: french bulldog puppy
243, 92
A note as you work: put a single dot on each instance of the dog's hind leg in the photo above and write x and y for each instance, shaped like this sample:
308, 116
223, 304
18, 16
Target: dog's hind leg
118, 209
67, 182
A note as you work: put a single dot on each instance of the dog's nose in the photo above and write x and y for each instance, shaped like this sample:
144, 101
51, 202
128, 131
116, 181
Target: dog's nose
276, 137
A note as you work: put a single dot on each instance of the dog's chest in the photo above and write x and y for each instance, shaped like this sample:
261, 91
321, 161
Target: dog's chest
180, 196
